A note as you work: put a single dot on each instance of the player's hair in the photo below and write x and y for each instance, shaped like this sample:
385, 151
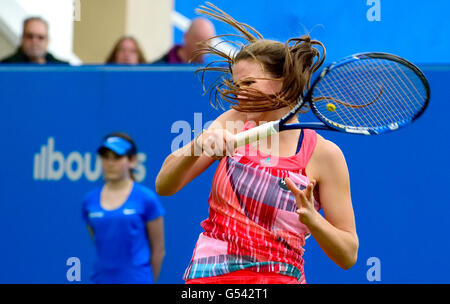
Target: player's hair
292, 62
128, 138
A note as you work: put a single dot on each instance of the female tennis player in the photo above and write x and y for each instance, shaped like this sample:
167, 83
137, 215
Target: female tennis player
265, 198
125, 218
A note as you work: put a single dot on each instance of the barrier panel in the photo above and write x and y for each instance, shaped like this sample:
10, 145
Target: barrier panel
53, 118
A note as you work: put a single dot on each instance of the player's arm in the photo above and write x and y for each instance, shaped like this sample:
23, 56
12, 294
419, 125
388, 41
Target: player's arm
335, 233
91, 231
155, 232
185, 164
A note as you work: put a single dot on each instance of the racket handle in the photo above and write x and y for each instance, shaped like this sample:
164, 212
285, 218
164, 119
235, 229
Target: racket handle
254, 134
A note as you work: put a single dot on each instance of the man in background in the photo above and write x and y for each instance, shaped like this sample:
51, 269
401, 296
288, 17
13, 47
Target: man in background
201, 29
33, 48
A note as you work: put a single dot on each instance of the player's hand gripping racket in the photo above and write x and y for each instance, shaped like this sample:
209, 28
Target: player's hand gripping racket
368, 93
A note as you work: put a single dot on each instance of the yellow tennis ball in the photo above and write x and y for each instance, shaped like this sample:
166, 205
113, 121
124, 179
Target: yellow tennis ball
331, 107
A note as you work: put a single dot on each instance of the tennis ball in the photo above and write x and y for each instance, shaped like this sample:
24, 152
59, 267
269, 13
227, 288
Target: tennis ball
331, 107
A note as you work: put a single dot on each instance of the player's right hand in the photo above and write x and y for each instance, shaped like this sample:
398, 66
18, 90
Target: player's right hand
216, 143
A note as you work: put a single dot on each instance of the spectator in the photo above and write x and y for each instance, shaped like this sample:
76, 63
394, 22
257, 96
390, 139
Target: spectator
33, 48
125, 219
201, 29
126, 51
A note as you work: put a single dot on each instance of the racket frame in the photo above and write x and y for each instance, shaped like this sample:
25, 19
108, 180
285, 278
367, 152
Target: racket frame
365, 130
273, 127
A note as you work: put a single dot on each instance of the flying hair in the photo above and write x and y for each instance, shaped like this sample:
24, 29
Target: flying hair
292, 62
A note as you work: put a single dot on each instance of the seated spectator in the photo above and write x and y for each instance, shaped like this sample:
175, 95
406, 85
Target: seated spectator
33, 48
201, 29
126, 51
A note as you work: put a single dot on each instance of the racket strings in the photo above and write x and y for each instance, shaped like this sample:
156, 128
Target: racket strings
403, 109
353, 118
348, 104
411, 85
382, 92
340, 89
401, 95
362, 87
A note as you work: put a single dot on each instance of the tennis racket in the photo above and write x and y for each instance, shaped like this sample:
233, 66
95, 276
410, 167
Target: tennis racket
367, 93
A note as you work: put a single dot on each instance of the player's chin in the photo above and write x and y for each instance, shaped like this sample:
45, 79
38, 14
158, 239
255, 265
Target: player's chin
111, 176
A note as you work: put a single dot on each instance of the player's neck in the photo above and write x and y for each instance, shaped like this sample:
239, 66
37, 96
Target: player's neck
263, 117
119, 184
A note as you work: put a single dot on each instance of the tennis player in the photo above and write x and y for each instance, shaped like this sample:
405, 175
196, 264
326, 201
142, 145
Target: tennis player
125, 219
265, 198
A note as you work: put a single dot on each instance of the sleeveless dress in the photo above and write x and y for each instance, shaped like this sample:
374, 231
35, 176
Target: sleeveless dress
253, 227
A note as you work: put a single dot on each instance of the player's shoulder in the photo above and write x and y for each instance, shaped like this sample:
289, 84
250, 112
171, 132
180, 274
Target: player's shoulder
93, 195
327, 150
328, 162
94, 192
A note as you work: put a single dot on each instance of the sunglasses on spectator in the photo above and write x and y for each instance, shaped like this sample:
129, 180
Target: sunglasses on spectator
31, 36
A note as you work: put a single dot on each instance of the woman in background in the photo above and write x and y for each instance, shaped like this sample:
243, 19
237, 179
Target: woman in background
126, 51
125, 219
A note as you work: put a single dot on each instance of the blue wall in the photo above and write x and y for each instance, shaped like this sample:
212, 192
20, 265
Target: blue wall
415, 29
399, 180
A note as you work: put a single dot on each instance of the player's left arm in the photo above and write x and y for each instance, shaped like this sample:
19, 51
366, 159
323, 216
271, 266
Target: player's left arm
155, 232
335, 233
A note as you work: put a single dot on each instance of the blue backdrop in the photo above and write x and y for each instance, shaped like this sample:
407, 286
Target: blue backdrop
53, 118
415, 29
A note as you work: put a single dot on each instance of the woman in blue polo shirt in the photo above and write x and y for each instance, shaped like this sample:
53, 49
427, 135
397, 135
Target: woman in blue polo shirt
125, 219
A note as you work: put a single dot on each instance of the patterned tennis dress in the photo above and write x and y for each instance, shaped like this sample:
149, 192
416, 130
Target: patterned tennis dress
252, 223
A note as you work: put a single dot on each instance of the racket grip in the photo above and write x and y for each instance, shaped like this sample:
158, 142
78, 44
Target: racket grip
254, 134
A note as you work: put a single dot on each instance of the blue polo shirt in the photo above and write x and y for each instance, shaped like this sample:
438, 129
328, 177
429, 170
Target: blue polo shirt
120, 235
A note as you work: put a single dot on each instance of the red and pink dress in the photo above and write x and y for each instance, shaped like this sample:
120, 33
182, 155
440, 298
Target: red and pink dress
253, 233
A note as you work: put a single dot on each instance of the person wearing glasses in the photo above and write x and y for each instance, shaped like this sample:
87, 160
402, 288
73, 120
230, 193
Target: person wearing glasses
33, 48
